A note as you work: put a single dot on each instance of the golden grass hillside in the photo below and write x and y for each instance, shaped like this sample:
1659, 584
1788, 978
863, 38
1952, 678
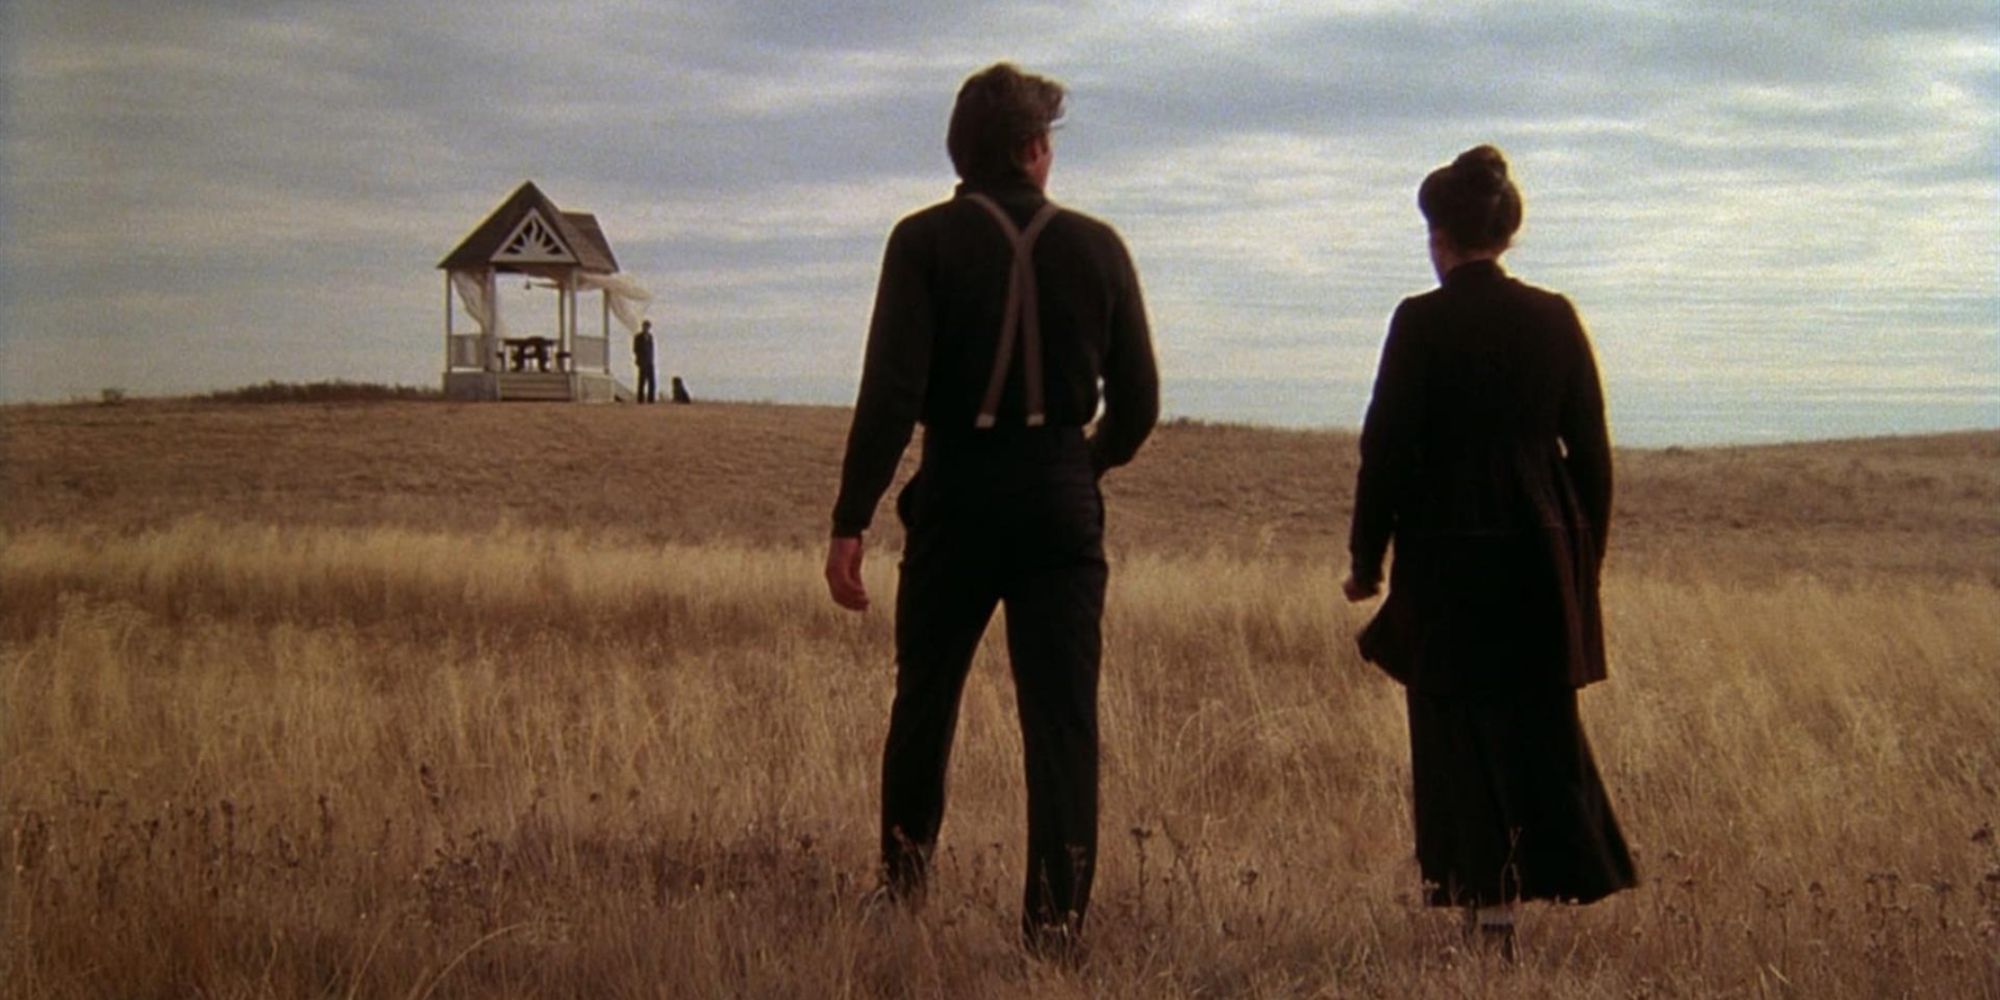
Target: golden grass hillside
765, 475
423, 700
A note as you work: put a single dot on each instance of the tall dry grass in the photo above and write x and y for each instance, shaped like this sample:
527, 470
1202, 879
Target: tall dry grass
319, 761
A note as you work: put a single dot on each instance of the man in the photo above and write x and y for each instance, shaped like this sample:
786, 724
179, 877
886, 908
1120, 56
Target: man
642, 356
999, 320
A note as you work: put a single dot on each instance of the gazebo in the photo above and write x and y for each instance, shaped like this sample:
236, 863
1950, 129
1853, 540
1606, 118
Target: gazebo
529, 236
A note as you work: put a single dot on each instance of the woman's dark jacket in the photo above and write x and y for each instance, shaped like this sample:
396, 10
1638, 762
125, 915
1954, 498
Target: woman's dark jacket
1485, 457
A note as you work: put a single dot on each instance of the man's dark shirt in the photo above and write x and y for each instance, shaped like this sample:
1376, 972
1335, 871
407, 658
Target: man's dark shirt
938, 312
642, 350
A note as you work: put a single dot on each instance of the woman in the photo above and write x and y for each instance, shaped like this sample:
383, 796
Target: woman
1485, 459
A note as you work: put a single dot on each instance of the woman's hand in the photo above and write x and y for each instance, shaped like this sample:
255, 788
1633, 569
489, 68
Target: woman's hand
1357, 591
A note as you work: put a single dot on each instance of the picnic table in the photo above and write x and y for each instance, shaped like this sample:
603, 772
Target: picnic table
522, 350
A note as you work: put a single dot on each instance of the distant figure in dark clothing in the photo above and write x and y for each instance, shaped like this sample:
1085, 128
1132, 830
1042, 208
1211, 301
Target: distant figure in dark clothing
679, 390
997, 319
642, 356
1485, 458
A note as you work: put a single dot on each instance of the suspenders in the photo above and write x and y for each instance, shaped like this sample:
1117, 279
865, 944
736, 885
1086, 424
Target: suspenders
1022, 317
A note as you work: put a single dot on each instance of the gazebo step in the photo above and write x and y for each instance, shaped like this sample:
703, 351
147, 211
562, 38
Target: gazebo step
537, 387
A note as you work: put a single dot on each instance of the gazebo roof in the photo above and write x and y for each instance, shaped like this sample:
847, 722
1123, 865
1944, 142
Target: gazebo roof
528, 232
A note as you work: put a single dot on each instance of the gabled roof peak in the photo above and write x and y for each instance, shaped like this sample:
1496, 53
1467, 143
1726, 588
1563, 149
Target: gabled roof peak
529, 231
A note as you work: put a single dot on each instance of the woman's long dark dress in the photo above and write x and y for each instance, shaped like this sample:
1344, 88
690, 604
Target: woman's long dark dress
1485, 458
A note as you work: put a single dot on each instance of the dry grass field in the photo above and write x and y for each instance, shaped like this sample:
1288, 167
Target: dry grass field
418, 699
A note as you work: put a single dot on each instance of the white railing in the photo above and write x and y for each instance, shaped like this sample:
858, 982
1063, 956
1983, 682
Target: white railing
464, 352
589, 354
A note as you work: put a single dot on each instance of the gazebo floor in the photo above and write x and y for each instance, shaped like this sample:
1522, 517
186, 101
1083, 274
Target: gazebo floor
538, 387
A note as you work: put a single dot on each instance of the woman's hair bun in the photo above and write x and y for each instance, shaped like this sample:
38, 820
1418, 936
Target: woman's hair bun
1472, 200
1481, 168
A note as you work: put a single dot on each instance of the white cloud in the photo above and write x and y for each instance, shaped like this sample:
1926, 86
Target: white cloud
1746, 193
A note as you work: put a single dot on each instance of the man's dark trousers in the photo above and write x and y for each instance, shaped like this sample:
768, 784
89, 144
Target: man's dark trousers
999, 516
649, 385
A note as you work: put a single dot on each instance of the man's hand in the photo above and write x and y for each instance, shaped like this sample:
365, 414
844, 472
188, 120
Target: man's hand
843, 573
1357, 591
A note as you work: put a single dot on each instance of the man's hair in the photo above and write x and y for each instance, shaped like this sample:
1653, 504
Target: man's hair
999, 110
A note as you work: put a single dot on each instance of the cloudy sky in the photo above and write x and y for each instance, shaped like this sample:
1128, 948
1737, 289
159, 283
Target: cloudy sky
1748, 202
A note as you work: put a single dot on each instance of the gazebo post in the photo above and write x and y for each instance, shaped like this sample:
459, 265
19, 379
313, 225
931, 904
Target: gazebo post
489, 335
562, 312
448, 300
569, 327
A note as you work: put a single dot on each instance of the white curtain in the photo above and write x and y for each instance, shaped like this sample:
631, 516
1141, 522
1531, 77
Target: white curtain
471, 289
627, 298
